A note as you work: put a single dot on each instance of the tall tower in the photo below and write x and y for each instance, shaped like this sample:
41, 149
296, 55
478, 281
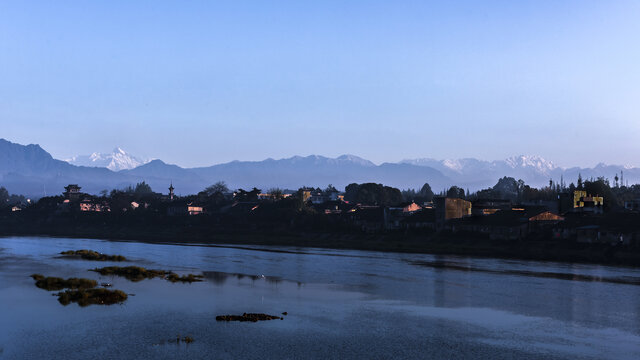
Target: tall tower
171, 188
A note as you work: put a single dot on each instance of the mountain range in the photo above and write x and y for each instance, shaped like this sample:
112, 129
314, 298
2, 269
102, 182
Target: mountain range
30, 170
117, 160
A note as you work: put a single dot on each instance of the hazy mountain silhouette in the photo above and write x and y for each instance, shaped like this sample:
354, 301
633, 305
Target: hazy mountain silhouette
30, 170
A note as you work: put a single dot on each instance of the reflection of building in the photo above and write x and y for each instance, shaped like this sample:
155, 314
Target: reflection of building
72, 192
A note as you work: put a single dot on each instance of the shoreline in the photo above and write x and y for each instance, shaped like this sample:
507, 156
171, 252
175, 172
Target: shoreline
438, 244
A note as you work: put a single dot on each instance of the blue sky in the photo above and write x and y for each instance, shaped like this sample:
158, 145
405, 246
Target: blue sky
202, 82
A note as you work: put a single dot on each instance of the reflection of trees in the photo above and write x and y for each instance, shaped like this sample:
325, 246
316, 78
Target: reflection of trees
220, 278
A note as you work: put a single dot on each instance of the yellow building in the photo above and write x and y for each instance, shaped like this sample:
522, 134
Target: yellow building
580, 197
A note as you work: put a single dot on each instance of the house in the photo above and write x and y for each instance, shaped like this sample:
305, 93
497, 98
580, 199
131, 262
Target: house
450, 208
508, 224
184, 209
407, 208
633, 205
89, 205
16, 208
240, 207
489, 206
317, 197
369, 218
72, 192
503, 225
423, 219
587, 203
333, 207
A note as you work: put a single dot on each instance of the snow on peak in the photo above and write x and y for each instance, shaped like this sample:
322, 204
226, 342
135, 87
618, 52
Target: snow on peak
534, 161
115, 161
453, 164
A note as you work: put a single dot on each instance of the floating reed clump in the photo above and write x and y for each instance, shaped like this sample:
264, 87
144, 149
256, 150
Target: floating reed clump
93, 255
82, 291
136, 273
247, 317
133, 273
56, 283
85, 297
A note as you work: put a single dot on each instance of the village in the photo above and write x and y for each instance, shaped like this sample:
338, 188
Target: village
510, 211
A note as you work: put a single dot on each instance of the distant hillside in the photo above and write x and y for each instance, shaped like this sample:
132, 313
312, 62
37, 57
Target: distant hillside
319, 171
30, 170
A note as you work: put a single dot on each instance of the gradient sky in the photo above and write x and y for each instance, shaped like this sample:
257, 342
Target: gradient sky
202, 82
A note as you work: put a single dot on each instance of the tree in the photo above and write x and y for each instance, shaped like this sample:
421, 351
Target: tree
580, 184
455, 192
508, 188
219, 188
4, 197
425, 193
373, 194
601, 187
276, 193
330, 189
243, 195
143, 188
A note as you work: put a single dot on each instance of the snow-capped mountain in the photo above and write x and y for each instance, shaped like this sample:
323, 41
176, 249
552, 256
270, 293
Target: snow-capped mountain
115, 161
30, 170
480, 173
538, 163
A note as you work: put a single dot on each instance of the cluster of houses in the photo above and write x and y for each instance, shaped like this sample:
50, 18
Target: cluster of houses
578, 216
73, 198
583, 220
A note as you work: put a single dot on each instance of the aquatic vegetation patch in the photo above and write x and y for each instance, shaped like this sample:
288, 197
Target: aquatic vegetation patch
247, 317
93, 255
85, 297
133, 273
56, 283
136, 273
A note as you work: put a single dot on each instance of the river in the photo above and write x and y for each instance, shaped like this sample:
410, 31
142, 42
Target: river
339, 304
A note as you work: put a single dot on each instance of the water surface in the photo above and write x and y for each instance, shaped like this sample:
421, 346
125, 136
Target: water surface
340, 304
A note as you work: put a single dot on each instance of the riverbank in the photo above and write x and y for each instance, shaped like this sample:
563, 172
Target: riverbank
433, 243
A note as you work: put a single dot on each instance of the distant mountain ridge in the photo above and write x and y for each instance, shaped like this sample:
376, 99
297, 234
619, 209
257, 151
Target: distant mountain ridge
30, 170
117, 160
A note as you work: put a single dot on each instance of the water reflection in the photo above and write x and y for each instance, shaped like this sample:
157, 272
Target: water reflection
219, 278
457, 265
361, 303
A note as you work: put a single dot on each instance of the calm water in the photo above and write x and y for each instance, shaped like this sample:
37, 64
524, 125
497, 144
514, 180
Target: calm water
340, 303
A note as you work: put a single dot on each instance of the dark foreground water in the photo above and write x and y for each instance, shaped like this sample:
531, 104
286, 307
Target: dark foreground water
340, 304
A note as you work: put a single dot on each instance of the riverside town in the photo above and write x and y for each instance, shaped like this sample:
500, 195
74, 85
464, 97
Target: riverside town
586, 221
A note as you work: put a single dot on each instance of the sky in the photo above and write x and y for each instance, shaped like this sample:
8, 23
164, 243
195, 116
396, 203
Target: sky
197, 83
